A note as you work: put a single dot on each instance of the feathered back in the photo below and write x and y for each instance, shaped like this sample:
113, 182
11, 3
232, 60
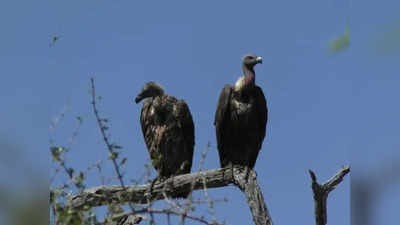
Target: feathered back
168, 130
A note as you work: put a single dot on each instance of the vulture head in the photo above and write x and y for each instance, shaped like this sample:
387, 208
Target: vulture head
250, 60
248, 63
151, 89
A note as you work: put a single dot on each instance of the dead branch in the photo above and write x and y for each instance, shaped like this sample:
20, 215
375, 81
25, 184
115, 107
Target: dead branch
173, 187
247, 182
321, 192
182, 185
179, 186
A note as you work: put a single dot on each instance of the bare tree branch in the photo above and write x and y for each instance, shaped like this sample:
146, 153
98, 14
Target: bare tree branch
173, 187
247, 182
103, 128
178, 186
321, 192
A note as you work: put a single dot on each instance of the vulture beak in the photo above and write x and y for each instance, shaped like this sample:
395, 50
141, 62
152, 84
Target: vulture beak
138, 98
259, 60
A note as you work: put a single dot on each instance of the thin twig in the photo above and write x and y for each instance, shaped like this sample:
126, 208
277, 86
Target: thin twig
169, 212
189, 199
103, 133
201, 201
56, 171
172, 203
110, 147
74, 133
54, 122
208, 199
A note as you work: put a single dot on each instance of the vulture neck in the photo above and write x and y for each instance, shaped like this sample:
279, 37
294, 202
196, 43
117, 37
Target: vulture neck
247, 80
249, 75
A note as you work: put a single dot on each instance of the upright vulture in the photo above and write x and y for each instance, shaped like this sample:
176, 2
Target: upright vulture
241, 118
168, 131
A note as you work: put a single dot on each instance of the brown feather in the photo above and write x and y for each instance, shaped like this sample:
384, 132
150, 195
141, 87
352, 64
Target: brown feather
168, 130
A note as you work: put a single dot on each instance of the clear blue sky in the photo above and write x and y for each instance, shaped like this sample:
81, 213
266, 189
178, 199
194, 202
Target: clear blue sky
325, 109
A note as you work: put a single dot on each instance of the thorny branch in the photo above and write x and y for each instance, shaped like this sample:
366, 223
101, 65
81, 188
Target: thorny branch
110, 147
103, 128
127, 218
55, 151
321, 192
57, 155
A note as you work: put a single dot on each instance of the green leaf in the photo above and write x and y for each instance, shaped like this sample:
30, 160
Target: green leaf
56, 152
113, 155
123, 161
79, 179
341, 42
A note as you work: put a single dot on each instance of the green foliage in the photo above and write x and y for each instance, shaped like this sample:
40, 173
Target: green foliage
113, 155
67, 216
78, 180
340, 43
114, 209
56, 153
155, 158
123, 161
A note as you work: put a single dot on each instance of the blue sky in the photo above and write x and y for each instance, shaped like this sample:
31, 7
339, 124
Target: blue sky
325, 110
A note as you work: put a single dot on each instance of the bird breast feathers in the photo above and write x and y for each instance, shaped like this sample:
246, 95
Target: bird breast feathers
239, 83
152, 111
240, 107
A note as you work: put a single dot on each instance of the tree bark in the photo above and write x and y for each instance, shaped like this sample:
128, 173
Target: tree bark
247, 182
321, 192
175, 187
245, 179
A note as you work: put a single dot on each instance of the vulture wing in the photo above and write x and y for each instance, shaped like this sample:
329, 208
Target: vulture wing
149, 129
186, 123
262, 114
168, 130
221, 120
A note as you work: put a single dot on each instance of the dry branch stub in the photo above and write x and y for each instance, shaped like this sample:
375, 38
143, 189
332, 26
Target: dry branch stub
321, 192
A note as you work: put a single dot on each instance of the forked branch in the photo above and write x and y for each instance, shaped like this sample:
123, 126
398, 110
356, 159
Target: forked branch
182, 185
321, 192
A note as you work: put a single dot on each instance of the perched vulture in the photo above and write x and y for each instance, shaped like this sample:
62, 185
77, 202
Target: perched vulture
168, 131
241, 118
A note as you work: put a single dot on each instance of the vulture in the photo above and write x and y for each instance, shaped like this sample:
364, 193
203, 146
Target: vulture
168, 131
241, 118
